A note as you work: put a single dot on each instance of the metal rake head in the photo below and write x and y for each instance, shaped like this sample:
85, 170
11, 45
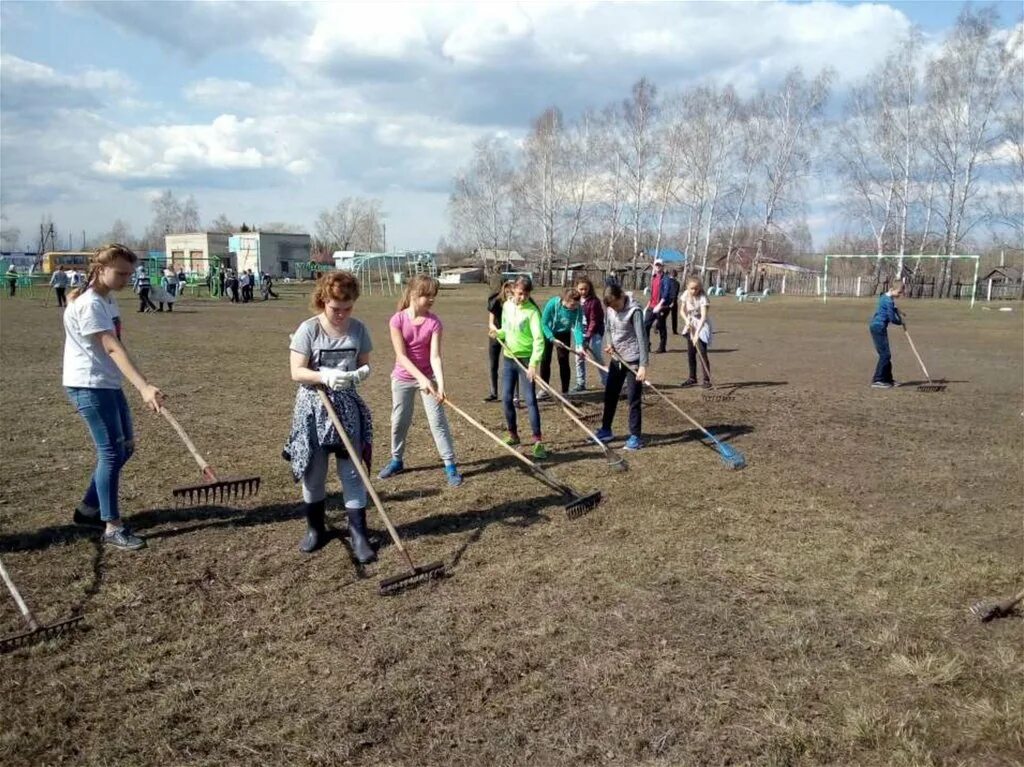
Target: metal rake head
41, 634
713, 395
218, 492
932, 387
419, 575
988, 611
582, 505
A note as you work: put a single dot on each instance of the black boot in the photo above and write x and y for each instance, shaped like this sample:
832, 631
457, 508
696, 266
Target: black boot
357, 535
316, 533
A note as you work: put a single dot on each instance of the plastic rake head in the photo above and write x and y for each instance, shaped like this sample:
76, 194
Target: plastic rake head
218, 492
616, 462
732, 457
419, 575
581, 505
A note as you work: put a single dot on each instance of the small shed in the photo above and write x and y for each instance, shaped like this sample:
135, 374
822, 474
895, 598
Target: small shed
1004, 275
461, 275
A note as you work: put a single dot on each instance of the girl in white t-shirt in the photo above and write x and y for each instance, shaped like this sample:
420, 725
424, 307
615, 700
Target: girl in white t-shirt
693, 310
94, 362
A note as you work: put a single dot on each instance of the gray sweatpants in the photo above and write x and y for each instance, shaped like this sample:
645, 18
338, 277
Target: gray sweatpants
314, 481
403, 398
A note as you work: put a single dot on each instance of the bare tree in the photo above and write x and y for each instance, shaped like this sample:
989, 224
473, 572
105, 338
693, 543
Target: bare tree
221, 224
579, 159
793, 114
542, 185
355, 223
965, 87
639, 113
9, 234
170, 216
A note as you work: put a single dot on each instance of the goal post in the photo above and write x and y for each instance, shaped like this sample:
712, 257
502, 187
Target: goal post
901, 260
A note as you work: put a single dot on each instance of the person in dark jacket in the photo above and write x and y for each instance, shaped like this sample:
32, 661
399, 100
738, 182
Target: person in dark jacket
657, 305
885, 313
673, 308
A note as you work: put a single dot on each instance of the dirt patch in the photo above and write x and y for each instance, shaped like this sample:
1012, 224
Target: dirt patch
810, 609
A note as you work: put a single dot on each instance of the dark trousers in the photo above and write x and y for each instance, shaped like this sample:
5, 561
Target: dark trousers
61, 296
144, 302
563, 360
650, 319
883, 370
494, 357
617, 375
691, 357
12, 285
510, 376
674, 312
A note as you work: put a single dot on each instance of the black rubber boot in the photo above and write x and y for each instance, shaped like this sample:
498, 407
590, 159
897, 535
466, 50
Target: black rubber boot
358, 535
316, 532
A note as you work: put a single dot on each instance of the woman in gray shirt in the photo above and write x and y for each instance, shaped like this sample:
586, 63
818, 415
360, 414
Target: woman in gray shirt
331, 349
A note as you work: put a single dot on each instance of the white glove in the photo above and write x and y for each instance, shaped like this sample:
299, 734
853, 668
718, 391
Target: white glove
333, 378
360, 375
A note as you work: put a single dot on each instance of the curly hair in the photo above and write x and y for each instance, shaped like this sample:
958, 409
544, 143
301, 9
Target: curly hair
334, 286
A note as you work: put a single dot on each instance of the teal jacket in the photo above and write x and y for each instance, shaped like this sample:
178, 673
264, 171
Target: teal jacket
557, 319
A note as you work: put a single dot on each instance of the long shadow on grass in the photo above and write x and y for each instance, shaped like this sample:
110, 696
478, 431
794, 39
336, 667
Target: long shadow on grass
722, 431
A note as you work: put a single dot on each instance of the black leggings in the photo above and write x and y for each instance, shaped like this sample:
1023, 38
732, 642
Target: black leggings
563, 360
691, 353
618, 375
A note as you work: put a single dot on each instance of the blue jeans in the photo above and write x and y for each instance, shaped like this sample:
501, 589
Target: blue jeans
883, 370
510, 376
109, 420
596, 343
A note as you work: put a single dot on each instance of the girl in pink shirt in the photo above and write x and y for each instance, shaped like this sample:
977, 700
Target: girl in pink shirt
416, 337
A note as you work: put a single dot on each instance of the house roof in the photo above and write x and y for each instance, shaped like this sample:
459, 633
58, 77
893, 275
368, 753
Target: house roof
1005, 274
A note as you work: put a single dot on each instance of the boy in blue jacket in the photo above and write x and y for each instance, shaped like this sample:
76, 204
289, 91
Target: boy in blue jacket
885, 313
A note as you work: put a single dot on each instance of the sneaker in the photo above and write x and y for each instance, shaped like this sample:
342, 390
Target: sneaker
491, 398
124, 539
577, 389
512, 440
516, 402
689, 382
394, 467
452, 472
539, 452
633, 443
880, 385
542, 395
88, 516
605, 435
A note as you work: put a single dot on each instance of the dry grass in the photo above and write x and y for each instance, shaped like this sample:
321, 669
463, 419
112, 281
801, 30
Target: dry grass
811, 609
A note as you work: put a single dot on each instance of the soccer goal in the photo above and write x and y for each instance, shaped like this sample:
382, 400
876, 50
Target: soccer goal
900, 264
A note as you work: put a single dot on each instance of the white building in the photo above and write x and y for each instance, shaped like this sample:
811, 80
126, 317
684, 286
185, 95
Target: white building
194, 250
279, 254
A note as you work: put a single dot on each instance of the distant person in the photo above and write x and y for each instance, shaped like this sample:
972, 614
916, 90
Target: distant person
697, 329
243, 283
12, 280
267, 287
95, 362
658, 304
885, 313
220, 281
59, 282
592, 333
142, 287
673, 309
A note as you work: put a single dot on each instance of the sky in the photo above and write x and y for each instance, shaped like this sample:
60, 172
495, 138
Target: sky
275, 111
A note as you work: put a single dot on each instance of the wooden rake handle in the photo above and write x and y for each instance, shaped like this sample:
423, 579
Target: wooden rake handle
203, 465
914, 350
583, 356
695, 340
29, 619
543, 384
661, 394
358, 463
565, 489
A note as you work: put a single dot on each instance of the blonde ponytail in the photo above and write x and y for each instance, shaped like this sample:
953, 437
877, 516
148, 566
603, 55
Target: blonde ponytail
105, 256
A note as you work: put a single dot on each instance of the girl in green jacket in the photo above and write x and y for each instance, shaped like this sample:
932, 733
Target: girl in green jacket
523, 337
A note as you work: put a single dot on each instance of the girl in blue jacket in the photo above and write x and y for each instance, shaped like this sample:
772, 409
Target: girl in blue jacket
885, 313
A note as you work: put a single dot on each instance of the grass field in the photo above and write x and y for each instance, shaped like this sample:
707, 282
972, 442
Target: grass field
810, 609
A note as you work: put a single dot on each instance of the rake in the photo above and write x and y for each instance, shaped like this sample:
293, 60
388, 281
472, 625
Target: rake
714, 394
615, 461
36, 632
989, 612
732, 457
575, 507
214, 488
931, 386
417, 574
